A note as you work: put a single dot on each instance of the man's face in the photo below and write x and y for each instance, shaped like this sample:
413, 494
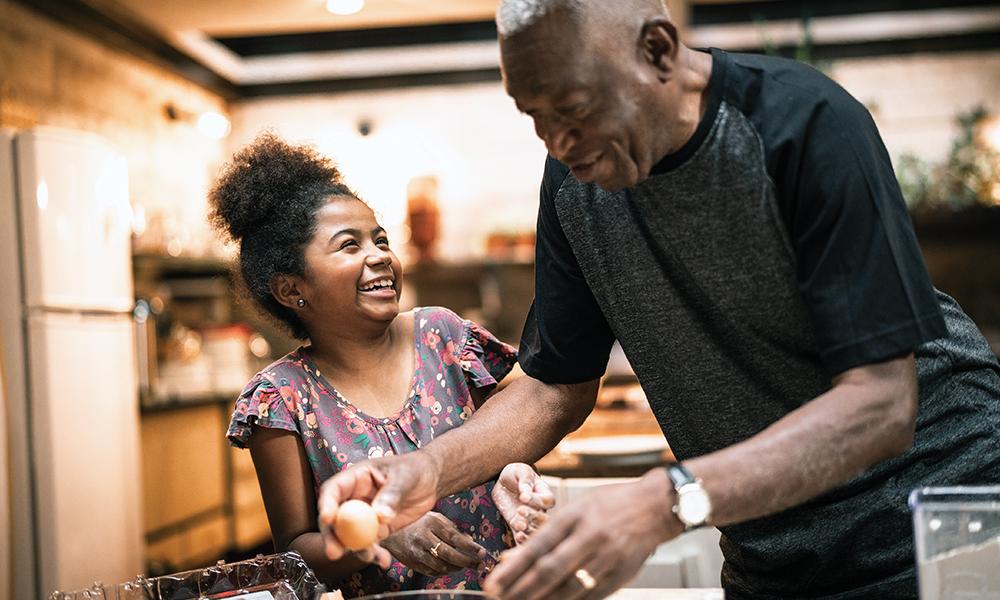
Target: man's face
586, 102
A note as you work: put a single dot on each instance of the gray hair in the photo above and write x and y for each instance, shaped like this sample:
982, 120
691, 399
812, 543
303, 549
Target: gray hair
514, 16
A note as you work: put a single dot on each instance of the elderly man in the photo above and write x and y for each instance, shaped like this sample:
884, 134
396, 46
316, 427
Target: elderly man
733, 221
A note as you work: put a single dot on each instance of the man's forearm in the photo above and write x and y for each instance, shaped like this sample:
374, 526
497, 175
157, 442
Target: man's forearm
521, 423
865, 418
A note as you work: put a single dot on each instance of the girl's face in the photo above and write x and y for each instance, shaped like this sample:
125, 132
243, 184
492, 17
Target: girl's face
351, 273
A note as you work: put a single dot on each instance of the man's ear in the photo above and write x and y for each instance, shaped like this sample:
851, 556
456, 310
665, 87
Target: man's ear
286, 290
660, 45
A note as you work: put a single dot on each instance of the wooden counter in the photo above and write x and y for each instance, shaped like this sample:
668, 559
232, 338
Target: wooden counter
603, 422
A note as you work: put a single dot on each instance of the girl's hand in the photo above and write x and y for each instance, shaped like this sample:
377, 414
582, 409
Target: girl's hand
522, 498
434, 546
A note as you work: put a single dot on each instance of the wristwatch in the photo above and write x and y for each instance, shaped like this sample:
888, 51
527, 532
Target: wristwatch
691, 503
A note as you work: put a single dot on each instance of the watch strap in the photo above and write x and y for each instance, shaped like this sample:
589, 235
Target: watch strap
679, 475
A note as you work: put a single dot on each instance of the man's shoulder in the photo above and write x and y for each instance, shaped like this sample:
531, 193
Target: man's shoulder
553, 176
784, 70
785, 100
758, 82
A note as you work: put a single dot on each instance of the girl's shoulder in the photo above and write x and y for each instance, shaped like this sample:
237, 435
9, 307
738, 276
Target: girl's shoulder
289, 369
440, 320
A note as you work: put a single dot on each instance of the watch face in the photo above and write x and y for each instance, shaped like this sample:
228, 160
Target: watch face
693, 506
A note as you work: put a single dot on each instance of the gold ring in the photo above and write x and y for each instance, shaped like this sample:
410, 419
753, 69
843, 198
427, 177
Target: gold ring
434, 550
585, 579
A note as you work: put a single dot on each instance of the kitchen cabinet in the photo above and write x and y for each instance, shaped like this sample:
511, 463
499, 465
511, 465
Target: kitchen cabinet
960, 250
201, 498
202, 501
184, 486
250, 527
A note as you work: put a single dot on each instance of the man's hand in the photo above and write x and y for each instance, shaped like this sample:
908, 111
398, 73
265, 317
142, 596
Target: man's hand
522, 498
400, 489
609, 534
434, 546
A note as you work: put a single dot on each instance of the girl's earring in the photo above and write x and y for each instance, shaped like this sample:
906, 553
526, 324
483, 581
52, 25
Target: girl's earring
301, 302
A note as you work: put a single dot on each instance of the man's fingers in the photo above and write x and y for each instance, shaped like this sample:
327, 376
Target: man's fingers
552, 570
529, 519
536, 520
526, 490
383, 557
374, 554
518, 523
355, 483
600, 571
520, 559
506, 504
544, 494
537, 500
332, 548
330, 495
388, 499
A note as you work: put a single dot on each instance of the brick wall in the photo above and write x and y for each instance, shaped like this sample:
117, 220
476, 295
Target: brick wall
51, 75
915, 98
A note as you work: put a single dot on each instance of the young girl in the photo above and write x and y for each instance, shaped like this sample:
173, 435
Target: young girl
371, 382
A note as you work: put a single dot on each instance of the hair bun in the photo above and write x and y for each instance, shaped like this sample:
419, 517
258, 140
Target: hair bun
260, 179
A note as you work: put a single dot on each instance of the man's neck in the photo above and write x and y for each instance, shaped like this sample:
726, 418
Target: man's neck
694, 95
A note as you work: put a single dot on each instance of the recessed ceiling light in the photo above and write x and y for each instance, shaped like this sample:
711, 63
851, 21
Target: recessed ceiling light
344, 7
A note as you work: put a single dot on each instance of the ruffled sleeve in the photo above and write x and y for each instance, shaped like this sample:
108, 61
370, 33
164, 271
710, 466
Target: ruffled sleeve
261, 404
485, 359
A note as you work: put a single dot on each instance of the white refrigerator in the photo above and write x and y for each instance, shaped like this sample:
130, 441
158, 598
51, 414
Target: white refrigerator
68, 347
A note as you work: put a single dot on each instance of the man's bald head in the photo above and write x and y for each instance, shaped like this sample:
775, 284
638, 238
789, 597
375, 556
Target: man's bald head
598, 79
515, 16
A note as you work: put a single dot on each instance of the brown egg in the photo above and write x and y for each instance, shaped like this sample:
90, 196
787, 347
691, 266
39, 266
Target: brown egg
356, 525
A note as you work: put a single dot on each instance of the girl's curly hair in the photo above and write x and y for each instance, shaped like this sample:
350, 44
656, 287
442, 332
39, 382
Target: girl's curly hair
266, 199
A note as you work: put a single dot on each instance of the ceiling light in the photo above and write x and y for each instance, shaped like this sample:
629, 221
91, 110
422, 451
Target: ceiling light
213, 125
344, 7
209, 123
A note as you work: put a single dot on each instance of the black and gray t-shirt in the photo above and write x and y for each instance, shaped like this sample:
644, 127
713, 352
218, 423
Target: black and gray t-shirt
772, 252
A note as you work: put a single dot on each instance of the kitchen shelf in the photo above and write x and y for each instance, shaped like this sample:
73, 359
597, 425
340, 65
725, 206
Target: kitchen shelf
150, 406
159, 265
202, 502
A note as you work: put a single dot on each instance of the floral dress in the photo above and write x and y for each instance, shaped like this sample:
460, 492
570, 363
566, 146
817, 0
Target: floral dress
452, 357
